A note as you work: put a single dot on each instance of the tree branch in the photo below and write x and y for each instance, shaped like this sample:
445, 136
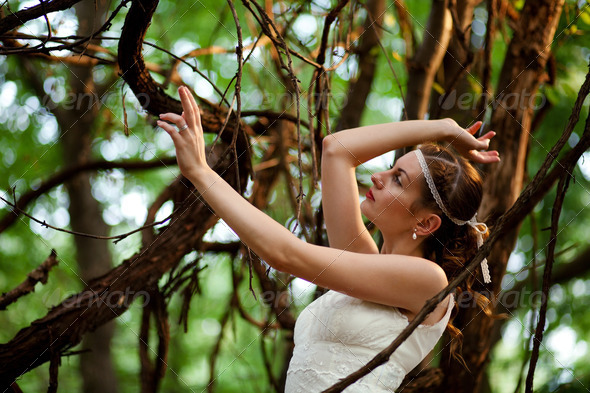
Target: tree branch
556, 212
19, 18
107, 296
40, 274
68, 173
111, 294
428, 57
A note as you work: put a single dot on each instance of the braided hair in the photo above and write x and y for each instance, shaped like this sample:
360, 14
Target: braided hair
451, 246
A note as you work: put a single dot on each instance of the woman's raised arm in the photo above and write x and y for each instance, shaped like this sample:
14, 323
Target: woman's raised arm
385, 279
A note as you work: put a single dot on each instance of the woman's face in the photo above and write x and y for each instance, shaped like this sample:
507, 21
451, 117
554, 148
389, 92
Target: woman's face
389, 201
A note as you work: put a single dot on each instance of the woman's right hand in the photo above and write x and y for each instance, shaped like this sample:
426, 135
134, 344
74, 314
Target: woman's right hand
474, 149
188, 140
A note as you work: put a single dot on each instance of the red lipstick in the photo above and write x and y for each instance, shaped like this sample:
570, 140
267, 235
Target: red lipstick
369, 195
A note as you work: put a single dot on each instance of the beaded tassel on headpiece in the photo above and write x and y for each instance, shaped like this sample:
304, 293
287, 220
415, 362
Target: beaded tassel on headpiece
480, 227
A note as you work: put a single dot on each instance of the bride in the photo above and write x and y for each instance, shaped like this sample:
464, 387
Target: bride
424, 207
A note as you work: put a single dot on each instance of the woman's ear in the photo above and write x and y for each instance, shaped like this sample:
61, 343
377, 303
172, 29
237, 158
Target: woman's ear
428, 225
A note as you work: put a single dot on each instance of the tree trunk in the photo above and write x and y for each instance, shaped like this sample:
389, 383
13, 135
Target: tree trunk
367, 52
93, 256
455, 70
522, 72
424, 65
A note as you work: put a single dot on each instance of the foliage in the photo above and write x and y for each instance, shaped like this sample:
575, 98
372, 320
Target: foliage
30, 153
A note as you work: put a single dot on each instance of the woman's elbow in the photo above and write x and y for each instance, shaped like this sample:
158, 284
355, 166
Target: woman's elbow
278, 258
286, 258
331, 146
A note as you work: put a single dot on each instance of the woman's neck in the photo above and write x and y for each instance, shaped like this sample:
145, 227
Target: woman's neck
401, 247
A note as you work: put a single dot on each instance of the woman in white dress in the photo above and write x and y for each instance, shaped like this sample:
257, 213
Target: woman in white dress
425, 209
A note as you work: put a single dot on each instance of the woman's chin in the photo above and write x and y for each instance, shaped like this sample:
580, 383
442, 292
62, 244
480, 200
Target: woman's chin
364, 208
367, 213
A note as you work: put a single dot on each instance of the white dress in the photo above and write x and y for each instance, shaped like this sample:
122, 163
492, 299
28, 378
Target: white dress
338, 334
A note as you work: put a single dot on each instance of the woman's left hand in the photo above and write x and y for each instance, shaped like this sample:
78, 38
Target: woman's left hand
188, 139
474, 149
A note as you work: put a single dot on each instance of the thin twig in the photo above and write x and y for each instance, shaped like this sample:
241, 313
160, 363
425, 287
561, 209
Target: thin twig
116, 238
238, 89
42, 48
533, 280
40, 274
487, 59
280, 43
399, 85
268, 365
192, 67
275, 115
42, 2
67, 173
556, 212
215, 351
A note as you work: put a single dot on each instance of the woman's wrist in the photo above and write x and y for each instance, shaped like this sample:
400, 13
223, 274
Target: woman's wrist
203, 178
449, 128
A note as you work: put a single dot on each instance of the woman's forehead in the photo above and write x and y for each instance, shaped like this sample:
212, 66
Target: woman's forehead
409, 163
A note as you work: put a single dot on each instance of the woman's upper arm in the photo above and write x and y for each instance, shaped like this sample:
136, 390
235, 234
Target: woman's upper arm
340, 200
395, 280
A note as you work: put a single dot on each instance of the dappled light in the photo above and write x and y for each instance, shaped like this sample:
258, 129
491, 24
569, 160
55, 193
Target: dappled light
111, 259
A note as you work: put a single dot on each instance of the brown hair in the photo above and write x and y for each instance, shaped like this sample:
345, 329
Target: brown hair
452, 246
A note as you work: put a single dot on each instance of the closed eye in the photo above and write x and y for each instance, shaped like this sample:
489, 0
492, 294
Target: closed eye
396, 175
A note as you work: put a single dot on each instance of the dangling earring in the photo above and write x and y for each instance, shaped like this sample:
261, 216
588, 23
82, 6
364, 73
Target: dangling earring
414, 236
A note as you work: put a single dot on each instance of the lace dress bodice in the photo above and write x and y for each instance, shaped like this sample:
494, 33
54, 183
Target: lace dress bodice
338, 334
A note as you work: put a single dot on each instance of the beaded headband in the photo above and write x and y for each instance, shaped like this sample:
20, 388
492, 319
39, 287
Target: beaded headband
480, 227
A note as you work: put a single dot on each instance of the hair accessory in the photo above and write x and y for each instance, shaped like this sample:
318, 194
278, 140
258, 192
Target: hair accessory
414, 236
480, 227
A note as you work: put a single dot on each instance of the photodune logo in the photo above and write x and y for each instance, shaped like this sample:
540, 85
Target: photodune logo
509, 102
509, 299
87, 101
110, 298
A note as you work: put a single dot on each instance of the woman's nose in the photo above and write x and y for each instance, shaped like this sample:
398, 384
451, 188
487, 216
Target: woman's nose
376, 181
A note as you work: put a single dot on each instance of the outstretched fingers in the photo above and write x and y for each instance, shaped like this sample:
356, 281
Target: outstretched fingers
485, 157
191, 109
473, 148
488, 135
474, 128
492, 155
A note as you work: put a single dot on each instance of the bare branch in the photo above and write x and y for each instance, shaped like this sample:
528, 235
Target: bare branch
116, 238
68, 173
216, 348
556, 212
405, 24
427, 59
40, 274
330, 18
19, 18
487, 59
367, 58
43, 49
